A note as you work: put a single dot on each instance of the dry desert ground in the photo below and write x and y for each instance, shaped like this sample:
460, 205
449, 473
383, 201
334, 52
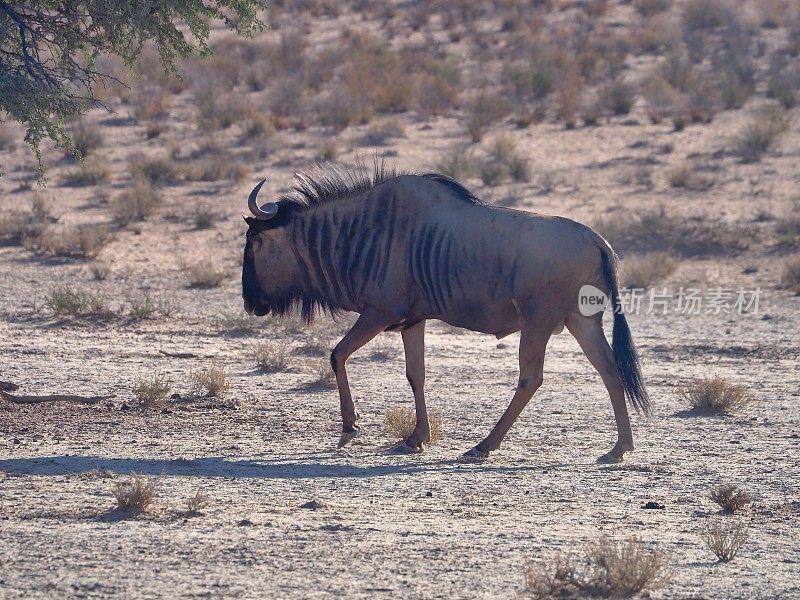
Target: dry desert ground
670, 127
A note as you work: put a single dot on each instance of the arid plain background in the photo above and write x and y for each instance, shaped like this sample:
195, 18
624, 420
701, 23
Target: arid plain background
669, 126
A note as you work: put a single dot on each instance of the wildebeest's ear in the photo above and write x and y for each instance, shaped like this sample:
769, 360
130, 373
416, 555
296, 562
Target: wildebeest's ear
256, 224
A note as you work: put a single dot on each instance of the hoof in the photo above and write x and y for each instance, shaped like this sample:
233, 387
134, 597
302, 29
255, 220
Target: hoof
476, 454
347, 436
404, 448
609, 459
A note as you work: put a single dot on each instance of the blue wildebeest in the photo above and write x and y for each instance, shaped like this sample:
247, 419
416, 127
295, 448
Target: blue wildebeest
401, 249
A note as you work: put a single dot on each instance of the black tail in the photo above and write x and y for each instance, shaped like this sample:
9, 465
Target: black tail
622, 343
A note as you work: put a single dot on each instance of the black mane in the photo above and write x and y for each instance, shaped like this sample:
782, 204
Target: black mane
328, 182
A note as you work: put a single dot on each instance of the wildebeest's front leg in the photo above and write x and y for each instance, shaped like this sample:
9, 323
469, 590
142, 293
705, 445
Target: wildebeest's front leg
369, 324
414, 346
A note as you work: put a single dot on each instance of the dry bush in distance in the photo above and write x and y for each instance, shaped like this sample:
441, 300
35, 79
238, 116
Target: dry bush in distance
458, 163
203, 273
716, 396
134, 204
400, 422
78, 242
211, 382
86, 137
607, 570
270, 357
136, 493
761, 133
324, 377
790, 277
725, 538
197, 502
688, 178
153, 392
730, 498
645, 270
89, 172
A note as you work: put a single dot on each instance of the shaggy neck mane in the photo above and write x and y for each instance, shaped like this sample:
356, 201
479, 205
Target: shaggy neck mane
324, 183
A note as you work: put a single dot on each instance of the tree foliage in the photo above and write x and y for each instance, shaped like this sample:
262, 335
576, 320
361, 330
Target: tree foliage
49, 50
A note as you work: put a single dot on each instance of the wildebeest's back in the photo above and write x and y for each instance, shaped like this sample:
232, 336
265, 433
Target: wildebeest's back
440, 255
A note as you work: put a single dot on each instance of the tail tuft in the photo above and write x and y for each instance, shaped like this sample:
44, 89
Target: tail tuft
625, 355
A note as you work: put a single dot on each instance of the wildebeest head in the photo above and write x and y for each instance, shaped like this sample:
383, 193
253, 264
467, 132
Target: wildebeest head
269, 266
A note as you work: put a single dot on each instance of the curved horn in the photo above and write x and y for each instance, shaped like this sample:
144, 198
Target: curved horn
265, 212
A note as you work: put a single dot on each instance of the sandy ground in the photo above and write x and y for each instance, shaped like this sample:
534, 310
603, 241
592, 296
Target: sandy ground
421, 526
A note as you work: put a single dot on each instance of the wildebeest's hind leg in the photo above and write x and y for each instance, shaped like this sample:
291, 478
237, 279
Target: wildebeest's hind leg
532, 345
414, 346
589, 333
369, 324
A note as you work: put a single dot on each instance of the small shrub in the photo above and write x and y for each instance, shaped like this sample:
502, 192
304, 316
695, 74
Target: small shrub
646, 270
100, 270
88, 172
153, 392
135, 494
156, 170
484, 110
215, 168
239, 323
204, 274
686, 177
519, 168
401, 421
458, 163
205, 216
79, 242
790, 277
86, 137
324, 377
725, 538
607, 570
761, 133
198, 502
270, 357
136, 203
211, 382
617, 97
492, 173
150, 102
716, 396
141, 307
220, 111
328, 151
730, 498
67, 302
383, 130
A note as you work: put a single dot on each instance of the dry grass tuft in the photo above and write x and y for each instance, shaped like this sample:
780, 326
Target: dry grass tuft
270, 357
401, 420
790, 277
156, 170
197, 503
730, 498
89, 172
80, 242
458, 163
135, 494
725, 538
86, 137
153, 392
324, 377
761, 133
134, 204
716, 396
67, 302
204, 274
211, 382
688, 178
646, 270
607, 570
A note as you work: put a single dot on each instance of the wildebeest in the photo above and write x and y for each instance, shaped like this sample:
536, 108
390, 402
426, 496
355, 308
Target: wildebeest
401, 249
